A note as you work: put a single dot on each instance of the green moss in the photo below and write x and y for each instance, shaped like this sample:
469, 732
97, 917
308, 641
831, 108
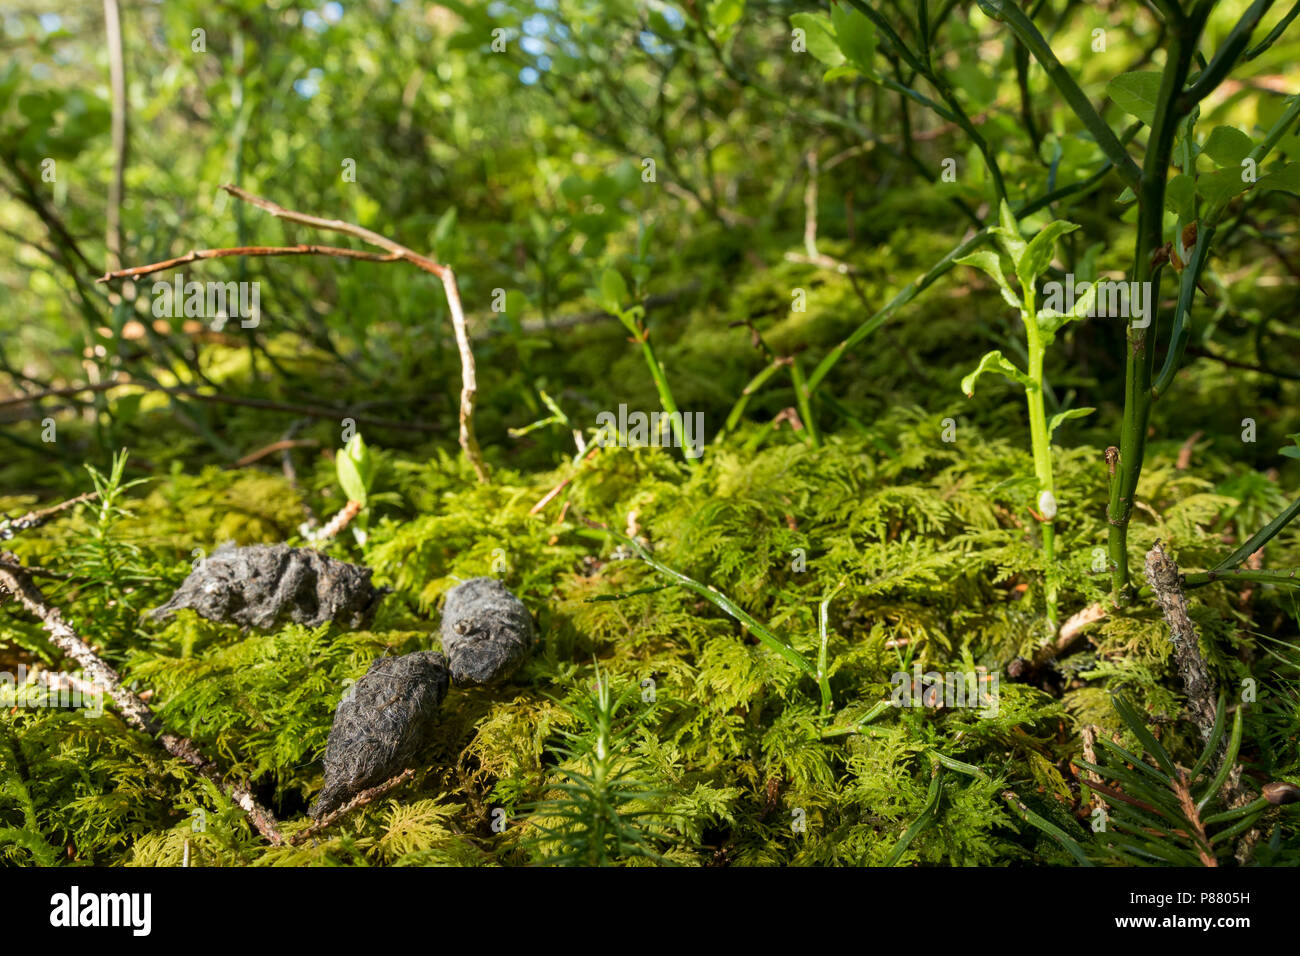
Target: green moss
942, 571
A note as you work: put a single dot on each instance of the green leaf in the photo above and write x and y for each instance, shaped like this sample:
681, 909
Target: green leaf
855, 35
995, 362
987, 260
978, 86
445, 227
724, 14
355, 469
1136, 93
1038, 254
1287, 179
819, 35
1221, 185
1180, 197
40, 106
1050, 318
9, 78
1139, 728
839, 72
1061, 417
613, 290
1227, 146
1008, 234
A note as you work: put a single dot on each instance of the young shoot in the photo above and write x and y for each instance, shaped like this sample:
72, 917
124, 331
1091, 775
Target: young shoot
1029, 261
355, 468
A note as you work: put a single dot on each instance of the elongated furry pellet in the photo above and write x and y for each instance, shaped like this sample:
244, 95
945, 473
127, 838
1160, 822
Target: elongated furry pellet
382, 725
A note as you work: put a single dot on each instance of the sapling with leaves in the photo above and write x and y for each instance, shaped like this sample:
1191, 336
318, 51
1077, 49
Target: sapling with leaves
1029, 261
601, 812
1160, 812
356, 473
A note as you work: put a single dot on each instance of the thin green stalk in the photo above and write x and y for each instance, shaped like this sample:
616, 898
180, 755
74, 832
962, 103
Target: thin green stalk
1255, 806
1225, 58
931, 805
712, 594
666, 398
1273, 34
1261, 537
1180, 334
906, 295
1260, 576
801, 399
1039, 823
1041, 443
1140, 356
1226, 764
879, 708
1007, 12
755, 383
824, 631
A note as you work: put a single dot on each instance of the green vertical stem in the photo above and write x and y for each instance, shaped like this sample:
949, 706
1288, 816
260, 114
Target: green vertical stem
737, 410
1041, 443
823, 656
666, 396
801, 398
1140, 356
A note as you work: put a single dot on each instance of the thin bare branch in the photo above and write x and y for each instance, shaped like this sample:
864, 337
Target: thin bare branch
15, 580
197, 254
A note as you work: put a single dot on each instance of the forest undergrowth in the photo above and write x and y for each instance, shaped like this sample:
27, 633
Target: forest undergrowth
711, 747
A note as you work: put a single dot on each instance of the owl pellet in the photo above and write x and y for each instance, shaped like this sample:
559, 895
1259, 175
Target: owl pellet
486, 631
266, 585
381, 725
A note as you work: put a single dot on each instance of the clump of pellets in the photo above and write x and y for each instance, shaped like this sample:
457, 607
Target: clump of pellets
486, 631
381, 727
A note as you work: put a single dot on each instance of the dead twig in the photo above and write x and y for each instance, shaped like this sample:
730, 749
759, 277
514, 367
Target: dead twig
360, 800
468, 377
16, 581
195, 255
12, 527
338, 522
1070, 632
1198, 683
1200, 687
1185, 452
283, 444
395, 252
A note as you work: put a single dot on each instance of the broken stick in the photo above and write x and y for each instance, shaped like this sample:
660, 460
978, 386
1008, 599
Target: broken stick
15, 580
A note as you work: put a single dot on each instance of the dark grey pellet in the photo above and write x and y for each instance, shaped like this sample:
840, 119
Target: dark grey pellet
486, 631
266, 585
382, 725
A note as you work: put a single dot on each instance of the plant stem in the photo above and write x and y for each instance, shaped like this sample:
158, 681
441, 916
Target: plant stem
737, 410
1259, 575
1041, 443
1078, 101
801, 399
666, 397
824, 631
1140, 358
710, 593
